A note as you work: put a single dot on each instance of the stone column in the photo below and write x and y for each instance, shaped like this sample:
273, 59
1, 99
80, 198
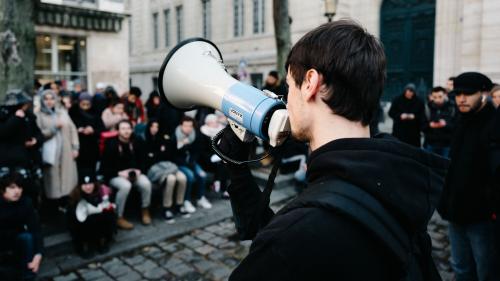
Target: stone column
17, 45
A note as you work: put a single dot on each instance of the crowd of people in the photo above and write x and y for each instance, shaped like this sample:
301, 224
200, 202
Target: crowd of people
80, 155
461, 123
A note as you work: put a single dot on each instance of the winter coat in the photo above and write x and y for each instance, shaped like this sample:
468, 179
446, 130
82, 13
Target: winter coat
13, 135
119, 156
62, 177
89, 144
440, 137
407, 131
311, 243
188, 154
110, 120
169, 118
471, 186
161, 147
15, 218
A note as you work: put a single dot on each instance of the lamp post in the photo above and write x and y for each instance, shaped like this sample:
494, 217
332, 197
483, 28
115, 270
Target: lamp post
330, 9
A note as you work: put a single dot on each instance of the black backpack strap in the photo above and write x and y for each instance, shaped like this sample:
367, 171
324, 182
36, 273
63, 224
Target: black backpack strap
340, 196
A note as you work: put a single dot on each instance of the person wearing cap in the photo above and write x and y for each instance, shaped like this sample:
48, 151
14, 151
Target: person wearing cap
21, 239
91, 216
20, 138
89, 128
467, 198
408, 113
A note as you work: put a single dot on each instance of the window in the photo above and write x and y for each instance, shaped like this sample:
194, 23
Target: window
166, 14
155, 30
207, 18
238, 18
60, 57
178, 13
258, 16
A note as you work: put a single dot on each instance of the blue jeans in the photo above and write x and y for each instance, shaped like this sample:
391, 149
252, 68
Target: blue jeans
439, 150
473, 252
194, 176
25, 242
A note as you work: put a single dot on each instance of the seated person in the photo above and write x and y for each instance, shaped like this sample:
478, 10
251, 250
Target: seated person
20, 235
188, 144
113, 114
123, 166
160, 151
209, 161
92, 218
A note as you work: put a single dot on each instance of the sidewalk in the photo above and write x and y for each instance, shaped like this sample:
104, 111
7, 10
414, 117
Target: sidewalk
62, 259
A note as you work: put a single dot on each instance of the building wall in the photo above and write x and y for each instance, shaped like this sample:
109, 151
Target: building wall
467, 35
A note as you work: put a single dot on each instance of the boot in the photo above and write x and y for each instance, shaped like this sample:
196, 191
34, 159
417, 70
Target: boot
146, 218
124, 224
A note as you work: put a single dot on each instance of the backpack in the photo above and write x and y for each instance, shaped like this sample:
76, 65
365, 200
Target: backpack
412, 251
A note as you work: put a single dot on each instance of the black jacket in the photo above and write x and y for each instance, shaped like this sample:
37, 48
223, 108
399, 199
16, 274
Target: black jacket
161, 147
314, 244
440, 136
13, 135
470, 184
119, 156
189, 154
407, 131
89, 144
18, 217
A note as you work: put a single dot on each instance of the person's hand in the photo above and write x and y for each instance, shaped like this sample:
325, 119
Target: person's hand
433, 125
442, 123
20, 113
231, 146
404, 116
88, 130
34, 265
124, 173
411, 116
137, 172
59, 123
30, 143
75, 154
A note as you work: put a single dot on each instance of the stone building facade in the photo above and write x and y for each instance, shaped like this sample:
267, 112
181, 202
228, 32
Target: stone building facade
82, 41
426, 41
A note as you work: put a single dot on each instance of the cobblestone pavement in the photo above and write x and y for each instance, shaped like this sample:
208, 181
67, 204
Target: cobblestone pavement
209, 253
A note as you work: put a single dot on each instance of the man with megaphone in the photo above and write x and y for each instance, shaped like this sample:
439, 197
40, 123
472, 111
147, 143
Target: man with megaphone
364, 213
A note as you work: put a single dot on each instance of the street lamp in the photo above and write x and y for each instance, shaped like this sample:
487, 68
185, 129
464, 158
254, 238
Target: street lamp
330, 9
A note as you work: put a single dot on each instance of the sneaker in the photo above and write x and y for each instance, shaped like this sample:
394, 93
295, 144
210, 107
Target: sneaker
180, 210
189, 207
216, 186
203, 202
168, 215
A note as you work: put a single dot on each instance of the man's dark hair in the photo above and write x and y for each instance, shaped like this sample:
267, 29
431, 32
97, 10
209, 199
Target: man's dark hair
8, 179
438, 89
136, 91
274, 74
452, 78
124, 121
352, 63
186, 118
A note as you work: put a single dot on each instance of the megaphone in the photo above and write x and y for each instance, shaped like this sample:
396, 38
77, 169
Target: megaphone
193, 75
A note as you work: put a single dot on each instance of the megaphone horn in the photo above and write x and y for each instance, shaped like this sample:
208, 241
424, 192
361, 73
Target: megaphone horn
193, 75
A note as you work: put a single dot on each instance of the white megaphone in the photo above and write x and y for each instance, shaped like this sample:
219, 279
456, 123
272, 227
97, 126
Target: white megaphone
193, 75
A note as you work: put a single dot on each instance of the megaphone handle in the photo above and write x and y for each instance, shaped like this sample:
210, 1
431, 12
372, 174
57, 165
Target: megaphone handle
226, 158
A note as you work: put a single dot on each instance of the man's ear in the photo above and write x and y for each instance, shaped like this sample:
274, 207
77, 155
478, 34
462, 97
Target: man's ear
311, 84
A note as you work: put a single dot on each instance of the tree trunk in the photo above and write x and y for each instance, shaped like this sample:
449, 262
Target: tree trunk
17, 45
282, 34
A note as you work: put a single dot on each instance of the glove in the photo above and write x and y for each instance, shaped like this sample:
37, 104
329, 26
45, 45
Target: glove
231, 146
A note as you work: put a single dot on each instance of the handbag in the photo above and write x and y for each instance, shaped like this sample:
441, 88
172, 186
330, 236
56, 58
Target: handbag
159, 171
49, 151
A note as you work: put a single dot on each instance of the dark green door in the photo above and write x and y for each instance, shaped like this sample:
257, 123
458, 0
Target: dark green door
407, 32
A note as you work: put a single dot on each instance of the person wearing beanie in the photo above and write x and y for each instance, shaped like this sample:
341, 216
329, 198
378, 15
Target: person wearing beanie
408, 114
468, 199
89, 127
91, 216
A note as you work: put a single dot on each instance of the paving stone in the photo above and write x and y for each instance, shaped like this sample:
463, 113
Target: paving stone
181, 269
172, 262
145, 266
205, 249
185, 254
118, 270
227, 245
131, 276
134, 260
204, 265
212, 228
155, 273
91, 274
219, 273
231, 262
205, 236
111, 263
105, 278
193, 276
217, 255
171, 247
69, 277
217, 241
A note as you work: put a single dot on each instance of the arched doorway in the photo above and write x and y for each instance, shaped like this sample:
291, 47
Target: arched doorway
407, 32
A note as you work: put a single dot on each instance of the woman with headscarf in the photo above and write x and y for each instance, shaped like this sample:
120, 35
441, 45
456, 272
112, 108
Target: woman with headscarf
59, 150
